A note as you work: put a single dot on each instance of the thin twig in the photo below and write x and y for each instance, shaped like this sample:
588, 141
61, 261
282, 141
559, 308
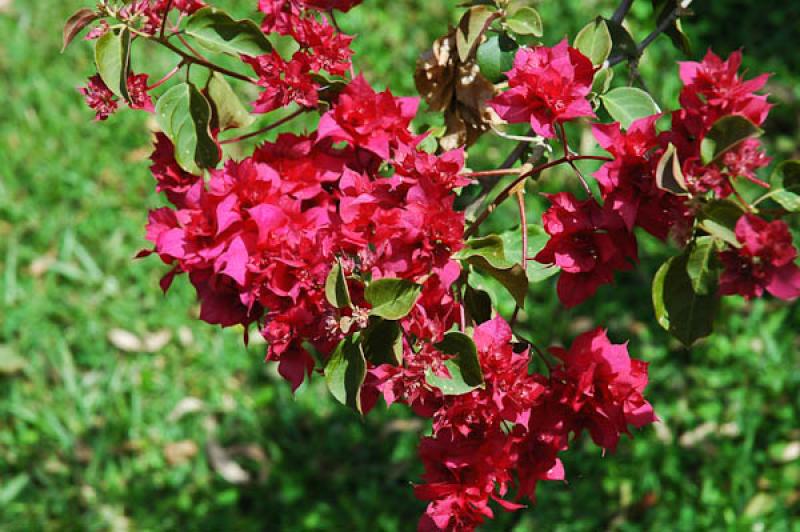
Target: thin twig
270, 127
621, 11
523, 220
188, 46
500, 172
562, 135
167, 77
164, 20
662, 27
207, 64
506, 192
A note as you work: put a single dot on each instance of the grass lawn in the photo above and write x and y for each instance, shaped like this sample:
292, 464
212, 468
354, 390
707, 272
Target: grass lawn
120, 411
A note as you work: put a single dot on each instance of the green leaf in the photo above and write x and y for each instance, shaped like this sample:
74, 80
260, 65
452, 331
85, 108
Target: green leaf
537, 239
496, 57
602, 81
785, 181
216, 30
627, 104
790, 174
466, 356
79, 20
112, 54
525, 21
392, 298
687, 315
490, 248
230, 112
455, 385
669, 175
383, 342
726, 134
624, 44
594, 41
663, 9
478, 303
788, 200
336, 291
470, 28
700, 265
345, 372
184, 115
718, 218
464, 367
514, 279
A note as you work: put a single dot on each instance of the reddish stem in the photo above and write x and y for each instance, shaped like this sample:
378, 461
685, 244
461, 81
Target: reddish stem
506, 192
523, 220
164, 19
270, 127
490, 173
562, 135
166, 77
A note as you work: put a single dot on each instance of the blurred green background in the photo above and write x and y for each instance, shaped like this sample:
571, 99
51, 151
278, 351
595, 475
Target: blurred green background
120, 411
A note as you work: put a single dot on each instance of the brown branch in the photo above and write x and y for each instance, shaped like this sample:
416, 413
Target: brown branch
164, 20
189, 59
621, 11
640, 48
270, 127
506, 192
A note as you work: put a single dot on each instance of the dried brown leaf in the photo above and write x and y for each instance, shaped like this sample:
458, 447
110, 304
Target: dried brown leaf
180, 452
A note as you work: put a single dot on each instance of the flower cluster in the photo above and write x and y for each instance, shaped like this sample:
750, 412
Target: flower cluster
588, 242
259, 239
359, 201
509, 433
104, 103
547, 86
765, 261
149, 14
322, 49
712, 90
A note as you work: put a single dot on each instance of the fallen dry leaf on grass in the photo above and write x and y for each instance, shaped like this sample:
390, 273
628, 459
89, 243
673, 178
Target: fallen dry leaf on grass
180, 452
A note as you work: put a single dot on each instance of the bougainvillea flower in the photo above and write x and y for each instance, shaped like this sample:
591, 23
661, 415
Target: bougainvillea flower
284, 82
99, 97
376, 122
628, 183
603, 386
546, 86
765, 261
588, 242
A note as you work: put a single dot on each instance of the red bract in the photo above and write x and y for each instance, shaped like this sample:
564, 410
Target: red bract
546, 86
152, 12
376, 122
713, 89
181, 188
99, 97
328, 49
137, 91
628, 183
284, 82
588, 242
602, 387
765, 261
509, 432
